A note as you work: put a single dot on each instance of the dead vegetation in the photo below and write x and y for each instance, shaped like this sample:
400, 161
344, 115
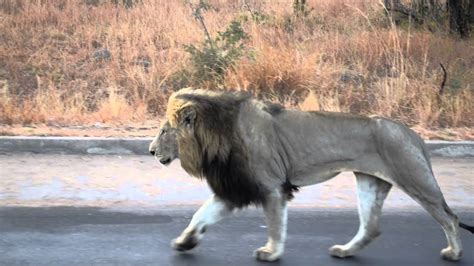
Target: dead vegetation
72, 62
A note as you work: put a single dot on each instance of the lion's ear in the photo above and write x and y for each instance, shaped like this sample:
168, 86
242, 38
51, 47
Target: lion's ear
187, 117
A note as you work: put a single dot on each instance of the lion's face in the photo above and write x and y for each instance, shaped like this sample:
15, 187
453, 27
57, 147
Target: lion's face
165, 145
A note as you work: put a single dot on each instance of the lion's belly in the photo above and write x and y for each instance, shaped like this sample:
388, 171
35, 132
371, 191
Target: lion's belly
313, 178
309, 174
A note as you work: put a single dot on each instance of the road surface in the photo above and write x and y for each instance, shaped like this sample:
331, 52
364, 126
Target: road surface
92, 236
125, 211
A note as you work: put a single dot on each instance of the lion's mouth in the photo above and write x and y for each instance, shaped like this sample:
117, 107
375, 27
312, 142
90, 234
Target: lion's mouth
165, 161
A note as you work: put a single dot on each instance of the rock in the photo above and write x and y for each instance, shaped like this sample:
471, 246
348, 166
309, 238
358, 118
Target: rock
102, 54
96, 44
144, 62
349, 76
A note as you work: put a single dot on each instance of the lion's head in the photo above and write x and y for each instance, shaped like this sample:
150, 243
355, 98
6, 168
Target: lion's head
210, 145
165, 145
204, 125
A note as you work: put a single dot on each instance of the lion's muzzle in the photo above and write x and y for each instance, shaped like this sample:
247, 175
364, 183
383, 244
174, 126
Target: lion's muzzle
165, 161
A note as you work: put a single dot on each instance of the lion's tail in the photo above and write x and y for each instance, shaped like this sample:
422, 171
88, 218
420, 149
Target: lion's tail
467, 227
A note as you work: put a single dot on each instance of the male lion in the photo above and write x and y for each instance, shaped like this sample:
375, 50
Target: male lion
251, 152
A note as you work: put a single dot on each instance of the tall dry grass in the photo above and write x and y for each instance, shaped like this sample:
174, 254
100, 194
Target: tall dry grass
345, 56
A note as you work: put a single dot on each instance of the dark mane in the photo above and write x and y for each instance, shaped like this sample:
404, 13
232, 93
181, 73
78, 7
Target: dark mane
228, 175
231, 180
288, 189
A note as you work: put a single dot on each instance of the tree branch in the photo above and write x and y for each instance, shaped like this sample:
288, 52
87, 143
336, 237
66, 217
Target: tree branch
443, 83
445, 77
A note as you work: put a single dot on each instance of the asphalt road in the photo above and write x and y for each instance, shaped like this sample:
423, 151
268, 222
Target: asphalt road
93, 236
139, 206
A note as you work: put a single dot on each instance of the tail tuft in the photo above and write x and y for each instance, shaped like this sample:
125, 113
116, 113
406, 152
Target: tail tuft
467, 227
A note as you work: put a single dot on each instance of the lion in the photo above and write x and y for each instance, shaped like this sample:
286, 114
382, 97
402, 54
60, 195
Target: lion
253, 152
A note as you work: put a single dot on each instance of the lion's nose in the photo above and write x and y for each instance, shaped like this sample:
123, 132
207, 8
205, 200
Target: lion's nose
152, 152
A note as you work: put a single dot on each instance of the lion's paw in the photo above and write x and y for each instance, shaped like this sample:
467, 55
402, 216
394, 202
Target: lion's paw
340, 252
449, 254
184, 244
266, 254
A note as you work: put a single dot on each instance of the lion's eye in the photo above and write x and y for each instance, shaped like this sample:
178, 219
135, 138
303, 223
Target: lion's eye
163, 131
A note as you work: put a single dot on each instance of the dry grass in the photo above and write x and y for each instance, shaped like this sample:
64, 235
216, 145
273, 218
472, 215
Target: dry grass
346, 56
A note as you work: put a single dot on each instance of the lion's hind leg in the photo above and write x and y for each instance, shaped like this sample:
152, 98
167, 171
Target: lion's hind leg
371, 193
430, 197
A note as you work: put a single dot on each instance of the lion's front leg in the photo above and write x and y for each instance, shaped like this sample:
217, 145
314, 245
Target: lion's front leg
276, 218
211, 212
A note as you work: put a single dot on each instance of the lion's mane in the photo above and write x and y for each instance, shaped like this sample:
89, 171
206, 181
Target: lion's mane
215, 150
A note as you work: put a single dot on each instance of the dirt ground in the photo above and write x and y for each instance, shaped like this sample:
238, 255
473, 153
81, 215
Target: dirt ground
149, 128
131, 180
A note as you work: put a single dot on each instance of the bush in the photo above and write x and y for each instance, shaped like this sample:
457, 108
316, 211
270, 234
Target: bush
300, 8
210, 60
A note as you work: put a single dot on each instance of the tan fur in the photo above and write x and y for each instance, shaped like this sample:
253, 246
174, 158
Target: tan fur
257, 153
191, 151
175, 104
